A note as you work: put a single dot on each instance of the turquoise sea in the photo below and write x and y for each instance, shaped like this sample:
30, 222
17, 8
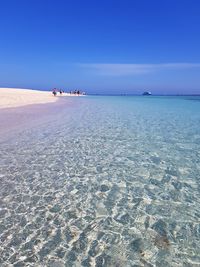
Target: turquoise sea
104, 181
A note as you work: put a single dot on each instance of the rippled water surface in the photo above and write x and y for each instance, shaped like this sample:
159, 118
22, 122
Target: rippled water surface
110, 181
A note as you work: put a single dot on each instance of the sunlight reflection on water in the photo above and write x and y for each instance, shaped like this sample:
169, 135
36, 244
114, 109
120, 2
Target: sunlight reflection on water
112, 181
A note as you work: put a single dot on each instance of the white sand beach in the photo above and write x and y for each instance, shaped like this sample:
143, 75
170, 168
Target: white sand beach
16, 97
23, 109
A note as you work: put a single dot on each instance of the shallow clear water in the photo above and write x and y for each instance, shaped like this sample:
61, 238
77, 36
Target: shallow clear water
110, 181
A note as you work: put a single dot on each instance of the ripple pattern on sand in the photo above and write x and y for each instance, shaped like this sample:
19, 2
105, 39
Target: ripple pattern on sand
107, 184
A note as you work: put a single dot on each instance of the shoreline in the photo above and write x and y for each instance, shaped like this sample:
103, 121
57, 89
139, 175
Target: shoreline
23, 109
17, 97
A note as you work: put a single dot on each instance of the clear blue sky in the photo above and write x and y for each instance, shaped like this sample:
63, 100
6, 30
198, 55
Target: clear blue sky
101, 46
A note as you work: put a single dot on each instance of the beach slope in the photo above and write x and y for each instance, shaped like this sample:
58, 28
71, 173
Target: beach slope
15, 97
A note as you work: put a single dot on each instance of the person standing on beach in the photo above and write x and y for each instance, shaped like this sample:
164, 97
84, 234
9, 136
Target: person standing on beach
54, 92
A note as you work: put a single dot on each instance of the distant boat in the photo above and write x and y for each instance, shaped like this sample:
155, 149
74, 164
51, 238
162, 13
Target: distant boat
147, 93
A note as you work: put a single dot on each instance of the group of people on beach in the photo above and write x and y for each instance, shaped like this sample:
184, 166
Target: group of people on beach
55, 91
75, 92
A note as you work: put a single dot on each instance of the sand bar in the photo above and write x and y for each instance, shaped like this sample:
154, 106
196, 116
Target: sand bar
14, 97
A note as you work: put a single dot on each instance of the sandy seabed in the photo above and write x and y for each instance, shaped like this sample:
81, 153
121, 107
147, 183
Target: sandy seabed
103, 181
